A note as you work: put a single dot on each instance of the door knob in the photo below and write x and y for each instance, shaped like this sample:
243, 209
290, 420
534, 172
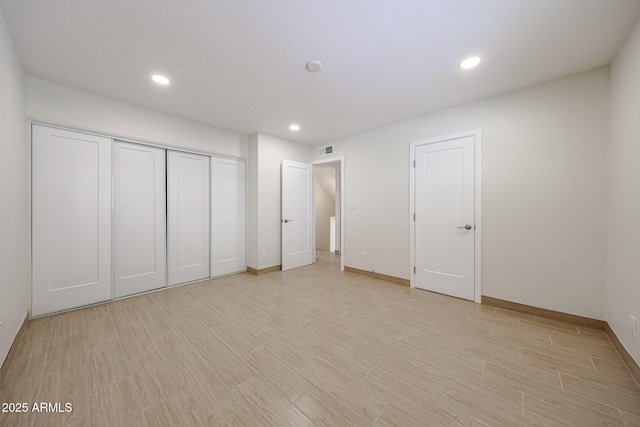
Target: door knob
287, 220
467, 227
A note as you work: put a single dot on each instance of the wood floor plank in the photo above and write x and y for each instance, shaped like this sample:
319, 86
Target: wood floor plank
630, 420
238, 337
278, 374
351, 364
98, 331
246, 416
136, 341
387, 386
414, 322
196, 332
555, 359
208, 315
324, 409
545, 414
490, 405
601, 379
154, 379
345, 388
615, 398
340, 337
402, 413
176, 351
293, 351
205, 390
229, 366
176, 411
273, 405
118, 405
617, 368
523, 377
592, 346
573, 404
550, 326
443, 364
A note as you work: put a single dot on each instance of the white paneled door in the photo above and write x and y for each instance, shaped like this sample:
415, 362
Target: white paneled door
297, 214
139, 218
228, 200
445, 222
71, 190
188, 220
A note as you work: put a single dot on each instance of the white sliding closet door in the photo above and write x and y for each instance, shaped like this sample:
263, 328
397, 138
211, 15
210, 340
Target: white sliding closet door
188, 193
71, 220
227, 216
139, 219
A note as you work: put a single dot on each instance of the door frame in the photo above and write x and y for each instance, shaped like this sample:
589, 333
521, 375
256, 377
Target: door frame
477, 138
336, 159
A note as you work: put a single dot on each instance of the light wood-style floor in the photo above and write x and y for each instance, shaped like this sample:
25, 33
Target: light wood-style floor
314, 346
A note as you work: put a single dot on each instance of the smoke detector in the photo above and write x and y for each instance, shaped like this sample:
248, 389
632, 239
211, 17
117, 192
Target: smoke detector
313, 66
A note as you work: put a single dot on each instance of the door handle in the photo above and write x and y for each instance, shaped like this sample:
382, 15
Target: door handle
467, 227
287, 220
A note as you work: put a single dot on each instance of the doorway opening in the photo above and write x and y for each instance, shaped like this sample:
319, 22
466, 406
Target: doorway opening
328, 211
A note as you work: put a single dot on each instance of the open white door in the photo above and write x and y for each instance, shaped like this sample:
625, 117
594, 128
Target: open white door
446, 217
297, 214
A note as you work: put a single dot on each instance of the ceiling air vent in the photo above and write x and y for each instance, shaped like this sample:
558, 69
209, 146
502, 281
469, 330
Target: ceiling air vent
325, 151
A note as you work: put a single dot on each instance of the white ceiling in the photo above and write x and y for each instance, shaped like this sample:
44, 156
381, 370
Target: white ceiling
240, 64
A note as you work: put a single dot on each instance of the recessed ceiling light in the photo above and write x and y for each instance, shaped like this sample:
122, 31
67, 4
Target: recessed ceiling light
294, 127
313, 66
470, 62
160, 79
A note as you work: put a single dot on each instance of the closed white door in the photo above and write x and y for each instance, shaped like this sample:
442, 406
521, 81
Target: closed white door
445, 217
188, 219
139, 219
297, 214
228, 213
71, 223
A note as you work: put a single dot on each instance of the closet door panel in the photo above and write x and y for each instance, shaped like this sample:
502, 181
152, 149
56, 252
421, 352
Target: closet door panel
139, 203
71, 179
228, 213
188, 198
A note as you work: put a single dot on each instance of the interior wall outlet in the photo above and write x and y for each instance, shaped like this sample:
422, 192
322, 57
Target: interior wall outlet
633, 326
363, 256
263, 255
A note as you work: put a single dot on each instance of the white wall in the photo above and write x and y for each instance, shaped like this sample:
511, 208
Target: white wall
15, 214
53, 103
623, 204
252, 203
543, 192
269, 151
